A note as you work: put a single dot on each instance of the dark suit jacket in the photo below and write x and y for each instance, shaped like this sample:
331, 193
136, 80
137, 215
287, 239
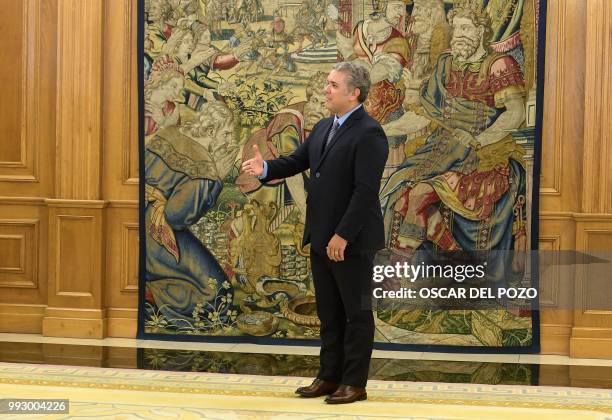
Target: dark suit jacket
344, 182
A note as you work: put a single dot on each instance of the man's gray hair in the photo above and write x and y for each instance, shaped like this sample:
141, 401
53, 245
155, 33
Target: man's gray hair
357, 77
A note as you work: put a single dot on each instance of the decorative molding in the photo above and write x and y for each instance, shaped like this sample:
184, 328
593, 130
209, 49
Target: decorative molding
70, 322
128, 204
27, 201
554, 338
130, 313
27, 169
559, 215
122, 322
129, 257
60, 260
120, 100
597, 191
578, 217
597, 312
21, 318
593, 217
592, 293
551, 281
555, 127
26, 231
77, 313
79, 97
588, 289
20, 267
127, 138
591, 343
81, 204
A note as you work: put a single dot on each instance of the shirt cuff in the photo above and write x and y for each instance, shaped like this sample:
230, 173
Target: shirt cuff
264, 174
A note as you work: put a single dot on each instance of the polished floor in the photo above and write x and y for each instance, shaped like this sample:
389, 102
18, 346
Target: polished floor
297, 361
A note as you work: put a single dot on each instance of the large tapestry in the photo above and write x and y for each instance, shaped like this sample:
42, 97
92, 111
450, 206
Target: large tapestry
457, 87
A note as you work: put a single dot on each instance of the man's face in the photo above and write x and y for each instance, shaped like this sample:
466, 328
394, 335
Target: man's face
218, 141
466, 38
156, 11
421, 15
394, 12
339, 98
223, 140
315, 109
225, 135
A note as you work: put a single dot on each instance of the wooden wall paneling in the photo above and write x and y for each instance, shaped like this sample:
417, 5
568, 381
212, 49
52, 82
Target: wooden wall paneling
563, 107
20, 317
76, 269
27, 154
120, 176
121, 286
597, 191
550, 171
592, 331
19, 239
26, 142
560, 181
78, 110
14, 153
76, 212
23, 264
557, 234
120, 106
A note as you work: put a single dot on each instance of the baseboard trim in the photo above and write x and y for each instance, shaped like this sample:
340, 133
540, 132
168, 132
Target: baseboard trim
17, 318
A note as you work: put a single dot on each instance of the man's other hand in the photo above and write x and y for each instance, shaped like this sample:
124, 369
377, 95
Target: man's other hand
254, 166
335, 248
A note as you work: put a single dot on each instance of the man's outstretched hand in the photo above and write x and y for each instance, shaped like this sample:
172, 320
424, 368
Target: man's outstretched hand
255, 165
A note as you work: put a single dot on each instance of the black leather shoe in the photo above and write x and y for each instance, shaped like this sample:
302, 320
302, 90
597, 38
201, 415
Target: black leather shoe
318, 388
346, 394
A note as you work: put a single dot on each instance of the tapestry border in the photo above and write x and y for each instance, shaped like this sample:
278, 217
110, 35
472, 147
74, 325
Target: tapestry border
534, 348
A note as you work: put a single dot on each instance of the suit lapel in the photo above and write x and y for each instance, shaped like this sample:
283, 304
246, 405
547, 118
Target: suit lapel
320, 141
341, 131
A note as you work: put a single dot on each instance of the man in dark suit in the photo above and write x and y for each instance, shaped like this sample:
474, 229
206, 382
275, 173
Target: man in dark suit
346, 155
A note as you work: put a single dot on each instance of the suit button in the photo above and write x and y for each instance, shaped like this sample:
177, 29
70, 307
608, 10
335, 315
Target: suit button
317, 174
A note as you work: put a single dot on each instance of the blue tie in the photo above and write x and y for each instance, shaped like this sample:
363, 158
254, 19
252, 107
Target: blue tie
331, 133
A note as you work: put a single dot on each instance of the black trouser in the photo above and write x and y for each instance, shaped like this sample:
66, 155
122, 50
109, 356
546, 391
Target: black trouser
343, 293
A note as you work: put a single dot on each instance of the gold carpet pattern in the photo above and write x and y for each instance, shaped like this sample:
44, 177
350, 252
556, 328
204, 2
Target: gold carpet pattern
127, 393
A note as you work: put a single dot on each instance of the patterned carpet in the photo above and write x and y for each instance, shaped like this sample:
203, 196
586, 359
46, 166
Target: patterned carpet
105, 393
